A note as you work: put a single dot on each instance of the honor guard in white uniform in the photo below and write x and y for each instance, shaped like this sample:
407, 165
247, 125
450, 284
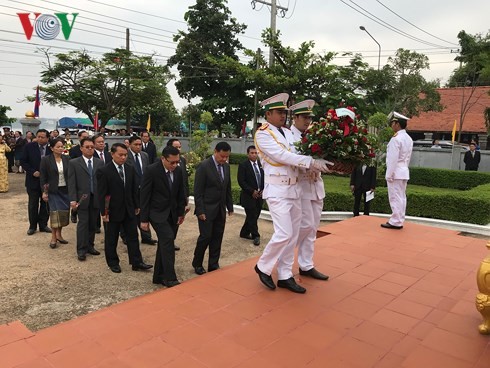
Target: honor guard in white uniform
398, 156
312, 195
280, 162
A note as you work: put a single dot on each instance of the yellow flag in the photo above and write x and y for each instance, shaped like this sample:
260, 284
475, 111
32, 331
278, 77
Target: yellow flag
148, 123
454, 130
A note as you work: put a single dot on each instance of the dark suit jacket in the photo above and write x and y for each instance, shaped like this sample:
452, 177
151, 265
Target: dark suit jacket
50, 174
472, 162
144, 164
211, 195
185, 176
123, 196
364, 182
79, 181
158, 202
75, 151
31, 162
248, 182
151, 150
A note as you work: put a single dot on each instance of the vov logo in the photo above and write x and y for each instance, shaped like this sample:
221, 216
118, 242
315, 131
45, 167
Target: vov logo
47, 26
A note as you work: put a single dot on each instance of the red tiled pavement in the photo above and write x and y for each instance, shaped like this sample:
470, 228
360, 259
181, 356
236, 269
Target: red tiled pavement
395, 299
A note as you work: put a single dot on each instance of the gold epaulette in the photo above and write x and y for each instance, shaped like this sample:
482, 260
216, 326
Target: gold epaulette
394, 135
263, 126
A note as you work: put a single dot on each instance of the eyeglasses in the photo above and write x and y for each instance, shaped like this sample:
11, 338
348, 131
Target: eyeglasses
171, 162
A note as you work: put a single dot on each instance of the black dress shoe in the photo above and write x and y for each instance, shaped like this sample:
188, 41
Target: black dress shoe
141, 267
62, 241
82, 257
313, 273
257, 240
249, 237
93, 252
291, 285
149, 242
199, 270
213, 269
176, 247
31, 231
45, 229
115, 269
390, 226
265, 279
53, 245
170, 283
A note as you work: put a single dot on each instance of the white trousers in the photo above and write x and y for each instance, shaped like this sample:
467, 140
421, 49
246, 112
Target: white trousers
286, 218
311, 211
398, 201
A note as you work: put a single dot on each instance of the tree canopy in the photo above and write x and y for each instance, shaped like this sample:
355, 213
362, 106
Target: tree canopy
212, 33
120, 79
4, 119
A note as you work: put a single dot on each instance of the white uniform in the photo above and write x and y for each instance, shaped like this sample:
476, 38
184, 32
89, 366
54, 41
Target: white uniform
397, 174
282, 193
312, 195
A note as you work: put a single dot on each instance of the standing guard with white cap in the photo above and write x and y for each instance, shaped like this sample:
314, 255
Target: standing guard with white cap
312, 195
282, 193
397, 175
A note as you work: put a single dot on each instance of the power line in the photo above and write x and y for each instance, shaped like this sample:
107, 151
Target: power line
387, 25
420, 29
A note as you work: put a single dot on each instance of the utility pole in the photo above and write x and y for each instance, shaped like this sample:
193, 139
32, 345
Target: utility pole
256, 96
128, 86
274, 8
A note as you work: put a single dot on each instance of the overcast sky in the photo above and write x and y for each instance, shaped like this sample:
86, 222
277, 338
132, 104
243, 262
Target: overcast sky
332, 24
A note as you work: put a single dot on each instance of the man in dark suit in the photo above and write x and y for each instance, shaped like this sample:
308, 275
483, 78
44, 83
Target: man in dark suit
163, 204
251, 179
362, 180
149, 147
82, 190
102, 154
101, 151
472, 158
30, 162
174, 142
212, 197
139, 160
76, 151
119, 206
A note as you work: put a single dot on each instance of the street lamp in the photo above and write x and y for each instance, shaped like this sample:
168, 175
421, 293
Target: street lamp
362, 28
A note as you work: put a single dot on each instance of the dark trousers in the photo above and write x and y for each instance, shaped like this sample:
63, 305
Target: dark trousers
250, 225
358, 194
37, 209
112, 236
10, 160
210, 234
145, 235
165, 257
86, 227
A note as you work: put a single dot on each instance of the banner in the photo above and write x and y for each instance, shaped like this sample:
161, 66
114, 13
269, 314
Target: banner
37, 103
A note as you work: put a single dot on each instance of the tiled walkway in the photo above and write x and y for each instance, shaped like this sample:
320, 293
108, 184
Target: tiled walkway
395, 299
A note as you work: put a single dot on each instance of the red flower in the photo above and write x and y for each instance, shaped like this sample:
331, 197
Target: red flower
304, 139
333, 132
371, 154
316, 148
324, 123
364, 139
355, 129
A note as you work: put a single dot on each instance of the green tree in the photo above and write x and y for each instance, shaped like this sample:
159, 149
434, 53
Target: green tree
4, 119
109, 85
164, 118
212, 33
474, 58
400, 85
201, 142
473, 71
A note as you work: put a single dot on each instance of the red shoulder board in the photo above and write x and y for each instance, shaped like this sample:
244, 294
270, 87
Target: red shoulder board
264, 126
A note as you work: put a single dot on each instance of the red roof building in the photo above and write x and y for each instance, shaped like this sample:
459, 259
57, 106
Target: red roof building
472, 101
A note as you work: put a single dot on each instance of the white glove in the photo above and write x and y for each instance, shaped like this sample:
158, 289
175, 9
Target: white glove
319, 165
